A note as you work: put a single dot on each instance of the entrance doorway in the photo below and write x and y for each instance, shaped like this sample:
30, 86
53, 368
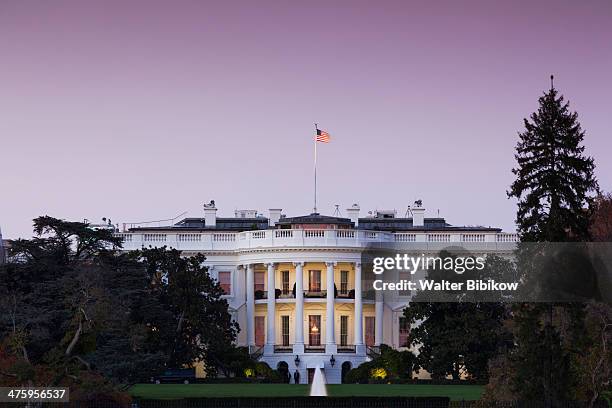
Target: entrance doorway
311, 373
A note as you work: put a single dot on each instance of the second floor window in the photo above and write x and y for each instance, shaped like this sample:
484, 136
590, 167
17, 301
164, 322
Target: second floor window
259, 281
285, 281
344, 277
225, 280
314, 281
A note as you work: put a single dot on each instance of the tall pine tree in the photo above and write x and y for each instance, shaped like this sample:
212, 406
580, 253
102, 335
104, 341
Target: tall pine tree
554, 179
554, 186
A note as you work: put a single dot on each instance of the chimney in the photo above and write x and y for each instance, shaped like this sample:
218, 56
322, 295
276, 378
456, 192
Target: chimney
353, 214
418, 214
210, 214
275, 215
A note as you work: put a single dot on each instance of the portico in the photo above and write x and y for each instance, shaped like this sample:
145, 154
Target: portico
306, 307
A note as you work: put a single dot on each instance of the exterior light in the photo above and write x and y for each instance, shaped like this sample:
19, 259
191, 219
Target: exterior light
297, 360
332, 360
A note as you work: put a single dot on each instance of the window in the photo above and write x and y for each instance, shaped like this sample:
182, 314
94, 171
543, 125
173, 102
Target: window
285, 330
260, 278
314, 330
260, 330
225, 280
404, 331
343, 330
314, 281
370, 326
344, 282
285, 281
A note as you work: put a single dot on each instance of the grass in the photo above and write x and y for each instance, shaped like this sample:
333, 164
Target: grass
177, 391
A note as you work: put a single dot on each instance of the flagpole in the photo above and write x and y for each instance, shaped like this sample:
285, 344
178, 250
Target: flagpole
315, 168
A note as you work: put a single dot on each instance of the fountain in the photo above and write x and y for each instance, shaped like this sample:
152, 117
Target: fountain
317, 388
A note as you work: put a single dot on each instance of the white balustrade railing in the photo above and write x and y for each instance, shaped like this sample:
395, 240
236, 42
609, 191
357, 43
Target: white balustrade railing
314, 233
124, 237
473, 237
189, 237
345, 234
439, 237
224, 237
154, 237
283, 233
231, 241
507, 237
405, 237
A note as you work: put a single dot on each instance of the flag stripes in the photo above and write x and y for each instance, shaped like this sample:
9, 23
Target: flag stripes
322, 136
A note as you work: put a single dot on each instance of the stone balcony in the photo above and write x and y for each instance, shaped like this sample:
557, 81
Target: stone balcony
304, 238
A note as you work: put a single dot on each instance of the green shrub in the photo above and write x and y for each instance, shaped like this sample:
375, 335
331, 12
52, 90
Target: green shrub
397, 366
262, 370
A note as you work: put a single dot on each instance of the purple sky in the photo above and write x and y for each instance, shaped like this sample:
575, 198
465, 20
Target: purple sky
143, 110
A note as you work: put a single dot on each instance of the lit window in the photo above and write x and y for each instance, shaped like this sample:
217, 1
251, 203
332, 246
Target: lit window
225, 280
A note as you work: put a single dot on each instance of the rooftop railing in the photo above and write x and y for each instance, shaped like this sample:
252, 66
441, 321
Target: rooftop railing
228, 241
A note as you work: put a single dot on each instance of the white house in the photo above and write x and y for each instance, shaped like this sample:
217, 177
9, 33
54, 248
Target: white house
294, 283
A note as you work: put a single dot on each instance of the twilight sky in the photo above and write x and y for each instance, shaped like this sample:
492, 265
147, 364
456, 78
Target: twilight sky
141, 110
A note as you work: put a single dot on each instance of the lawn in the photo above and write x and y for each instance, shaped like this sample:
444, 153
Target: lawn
175, 391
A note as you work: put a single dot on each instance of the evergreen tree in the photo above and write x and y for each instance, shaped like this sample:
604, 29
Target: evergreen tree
554, 187
554, 179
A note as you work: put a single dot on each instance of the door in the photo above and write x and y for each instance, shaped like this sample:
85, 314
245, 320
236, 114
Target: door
314, 330
311, 372
343, 330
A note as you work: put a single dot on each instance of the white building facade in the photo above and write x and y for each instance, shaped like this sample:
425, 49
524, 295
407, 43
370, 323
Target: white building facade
294, 285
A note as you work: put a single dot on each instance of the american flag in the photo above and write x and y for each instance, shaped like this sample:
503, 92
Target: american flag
322, 136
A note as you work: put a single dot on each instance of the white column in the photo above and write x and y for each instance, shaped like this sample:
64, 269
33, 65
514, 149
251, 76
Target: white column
271, 337
298, 347
250, 305
330, 333
359, 348
378, 321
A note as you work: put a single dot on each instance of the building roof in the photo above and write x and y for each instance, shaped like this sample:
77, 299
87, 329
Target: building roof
406, 224
223, 224
237, 224
315, 218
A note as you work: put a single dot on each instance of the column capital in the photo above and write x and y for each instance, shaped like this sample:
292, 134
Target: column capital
300, 263
328, 264
270, 264
358, 264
